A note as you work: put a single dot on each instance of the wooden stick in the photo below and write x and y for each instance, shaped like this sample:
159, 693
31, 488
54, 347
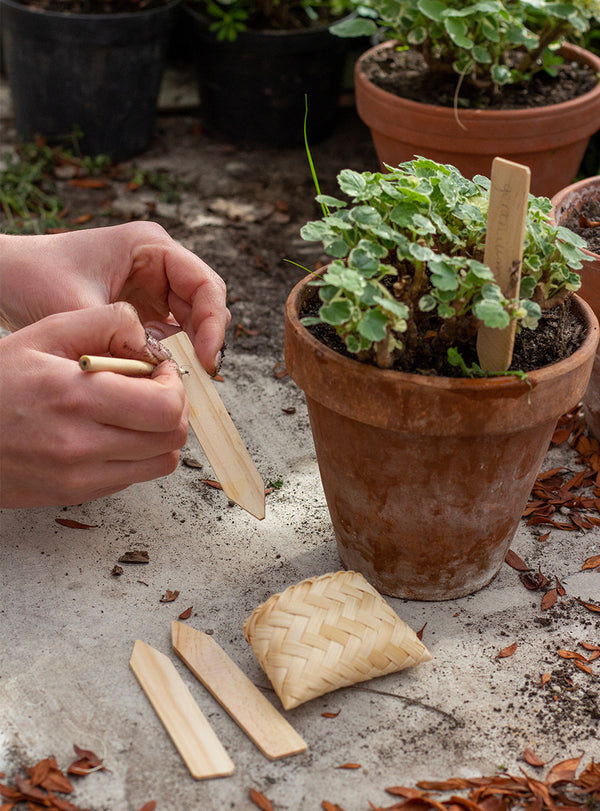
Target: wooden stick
191, 733
216, 432
248, 707
124, 366
504, 254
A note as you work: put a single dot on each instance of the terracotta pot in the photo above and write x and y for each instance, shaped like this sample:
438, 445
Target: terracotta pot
563, 202
426, 478
100, 73
550, 140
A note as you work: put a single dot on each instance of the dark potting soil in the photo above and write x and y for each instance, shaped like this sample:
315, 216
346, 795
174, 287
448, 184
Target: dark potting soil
559, 333
406, 74
585, 221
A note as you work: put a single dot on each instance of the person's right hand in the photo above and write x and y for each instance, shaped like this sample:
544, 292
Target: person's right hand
68, 436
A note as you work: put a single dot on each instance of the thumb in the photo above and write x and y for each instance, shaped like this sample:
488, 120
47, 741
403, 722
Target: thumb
113, 329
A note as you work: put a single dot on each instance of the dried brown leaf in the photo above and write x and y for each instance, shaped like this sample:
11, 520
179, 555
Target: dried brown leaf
259, 800
590, 646
169, 596
571, 654
549, 599
404, 791
212, 483
185, 615
69, 522
330, 714
585, 668
135, 556
516, 562
563, 772
327, 806
590, 606
545, 678
591, 563
529, 756
349, 766
149, 806
505, 652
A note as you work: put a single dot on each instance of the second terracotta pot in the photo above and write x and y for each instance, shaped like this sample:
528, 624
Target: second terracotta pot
550, 140
564, 202
426, 478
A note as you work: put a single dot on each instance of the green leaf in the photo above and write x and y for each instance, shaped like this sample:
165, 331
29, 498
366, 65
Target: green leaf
492, 313
337, 247
434, 9
336, 313
352, 183
373, 325
327, 200
315, 231
356, 27
481, 55
366, 216
363, 260
458, 32
427, 303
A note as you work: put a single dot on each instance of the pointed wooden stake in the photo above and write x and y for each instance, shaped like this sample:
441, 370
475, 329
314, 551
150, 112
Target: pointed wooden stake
504, 253
216, 432
189, 730
254, 713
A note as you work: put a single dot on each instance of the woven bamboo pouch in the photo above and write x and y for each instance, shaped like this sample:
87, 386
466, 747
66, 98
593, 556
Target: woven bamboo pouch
328, 632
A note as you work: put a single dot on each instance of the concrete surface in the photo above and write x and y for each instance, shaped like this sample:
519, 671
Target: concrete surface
68, 625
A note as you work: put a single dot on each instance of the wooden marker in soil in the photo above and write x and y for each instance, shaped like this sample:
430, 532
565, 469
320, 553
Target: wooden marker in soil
504, 254
191, 733
216, 432
254, 713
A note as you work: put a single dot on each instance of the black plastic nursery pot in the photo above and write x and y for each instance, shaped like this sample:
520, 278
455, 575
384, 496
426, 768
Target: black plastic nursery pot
99, 73
252, 90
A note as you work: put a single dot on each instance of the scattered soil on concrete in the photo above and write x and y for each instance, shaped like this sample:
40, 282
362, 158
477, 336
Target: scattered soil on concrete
591, 233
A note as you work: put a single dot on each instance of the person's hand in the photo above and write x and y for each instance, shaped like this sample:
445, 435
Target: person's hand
136, 262
69, 436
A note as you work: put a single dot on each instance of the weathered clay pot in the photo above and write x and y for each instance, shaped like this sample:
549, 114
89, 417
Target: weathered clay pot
426, 478
550, 140
563, 202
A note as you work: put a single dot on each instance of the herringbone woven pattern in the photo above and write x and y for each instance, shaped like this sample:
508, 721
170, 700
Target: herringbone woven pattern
328, 632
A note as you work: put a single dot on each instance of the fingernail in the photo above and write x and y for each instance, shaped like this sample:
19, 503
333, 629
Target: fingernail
154, 346
218, 360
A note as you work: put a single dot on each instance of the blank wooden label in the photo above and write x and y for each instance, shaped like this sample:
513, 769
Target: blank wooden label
235, 692
191, 733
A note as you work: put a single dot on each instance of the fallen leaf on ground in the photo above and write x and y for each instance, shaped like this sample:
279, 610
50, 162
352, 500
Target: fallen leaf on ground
591, 563
259, 799
507, 651
549, 599
516, 562
151, 806
349, 766
135, 556
330, 714
69, 522
185, 615
529, 756
327, 806
212, 483
169, 596
87, 762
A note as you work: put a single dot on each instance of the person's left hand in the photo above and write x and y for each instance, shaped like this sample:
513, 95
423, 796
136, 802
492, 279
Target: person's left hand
136, 262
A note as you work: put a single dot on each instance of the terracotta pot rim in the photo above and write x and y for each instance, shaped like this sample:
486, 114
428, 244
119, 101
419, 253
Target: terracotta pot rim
463, 384
570, 106
571, 190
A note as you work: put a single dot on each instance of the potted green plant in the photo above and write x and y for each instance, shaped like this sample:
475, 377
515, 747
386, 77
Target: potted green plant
456, 82
426, 462
87, 66
577, 207
257, 61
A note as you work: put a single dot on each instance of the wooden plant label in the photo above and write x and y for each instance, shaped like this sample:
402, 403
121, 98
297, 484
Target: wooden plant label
191, 733
216, 432
504, 254
248, 707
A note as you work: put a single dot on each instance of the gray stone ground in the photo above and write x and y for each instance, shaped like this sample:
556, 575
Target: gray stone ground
67, 626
